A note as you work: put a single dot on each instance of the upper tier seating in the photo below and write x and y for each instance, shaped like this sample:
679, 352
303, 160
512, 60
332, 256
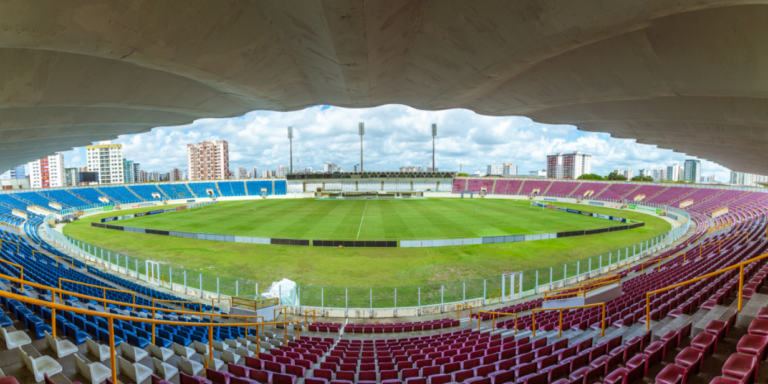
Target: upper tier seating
63, 197
648, 190
562, 188
145, 191
91, 195
586, 187
617, 191
530, 185
475, 185
176, 191
669, 195
201, 189
121, 194
507, 187
254, 187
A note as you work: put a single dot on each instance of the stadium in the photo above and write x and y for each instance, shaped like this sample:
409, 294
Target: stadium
385, 277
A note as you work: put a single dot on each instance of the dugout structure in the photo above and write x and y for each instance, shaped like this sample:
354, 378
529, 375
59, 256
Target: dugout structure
471, 194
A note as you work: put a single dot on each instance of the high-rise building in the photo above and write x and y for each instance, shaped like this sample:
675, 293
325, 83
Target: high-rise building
410, 169
509, 169
538, 173
692, 170
674, 172
143, 177
47, 172
430, 169
282, 171
645, 173
176, 174
741, 178
356, 168
153, 176
136, 169
17, 172
568, 165
242, 173
659, 174
208, 160
624, 172
495, 170
70, 177
128, 169
255, 172
267, 174
106, 159
330, 167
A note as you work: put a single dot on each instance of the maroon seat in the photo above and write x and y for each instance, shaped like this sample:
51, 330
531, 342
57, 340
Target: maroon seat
500, 377
588, 374
753, 345
690, 359
625, 375
672, 374
325, 374
639, 360
720, 328
476, 380
218, 377
763, 313
389, 375
187, 379
264, 377
725, 380
740, 366
234, 380
705, 342
315, 380
416, 380
758, 327
345, 376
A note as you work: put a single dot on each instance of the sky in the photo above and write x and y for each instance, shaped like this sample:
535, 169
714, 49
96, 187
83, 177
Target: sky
395, 136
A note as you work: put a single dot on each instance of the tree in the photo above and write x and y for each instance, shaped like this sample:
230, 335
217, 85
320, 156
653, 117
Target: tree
590, 176
462, 174
642, 178
615, 176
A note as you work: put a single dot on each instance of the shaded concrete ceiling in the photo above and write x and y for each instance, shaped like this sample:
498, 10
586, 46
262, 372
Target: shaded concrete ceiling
687, 75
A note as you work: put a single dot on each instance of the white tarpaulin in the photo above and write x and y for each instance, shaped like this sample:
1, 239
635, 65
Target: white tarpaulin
284, 289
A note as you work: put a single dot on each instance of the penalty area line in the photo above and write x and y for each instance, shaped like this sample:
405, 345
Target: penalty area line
361, 220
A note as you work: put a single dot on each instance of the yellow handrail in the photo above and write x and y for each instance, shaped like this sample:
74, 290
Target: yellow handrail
306, 316
94, 262
708, 275
71, 260
111, 317
285, 313
493, 317
560, 326
21, 270
6, 241
458, 308
201, 313
165, 279
582, 290
248, 302
495, 295
642, 266
104, 290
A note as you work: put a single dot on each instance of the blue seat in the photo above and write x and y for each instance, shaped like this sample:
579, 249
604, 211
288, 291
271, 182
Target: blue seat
163, 342
104, 338
29, 320
39, 329
5, 321
182, 340
137, 341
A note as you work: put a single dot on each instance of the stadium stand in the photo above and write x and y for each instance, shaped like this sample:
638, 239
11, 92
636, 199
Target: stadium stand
507, 187
459, 185
145, 191
422, 186
561, 188
201, 189
648, 190
232, 188
310, 187
33, 198
91, 195
281, 187
63, 197
176, 191
366, 186
444, 186
585, 187
333, 186
475, 185
294, 188
254, 187
670, 194
698, 196
617, 191
348, 186
530, 185
121, 194
404, 186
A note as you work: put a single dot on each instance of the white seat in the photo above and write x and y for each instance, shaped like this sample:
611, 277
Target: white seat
243, 341
96, 373
200, 347
61, 347
229, 357
183, 351
232, 343
160, 352
165, 371
190, 367
255, 348
14, 339
99, 351
135, 371
244, 352
219, 346
133, 353
217, 364
40, 365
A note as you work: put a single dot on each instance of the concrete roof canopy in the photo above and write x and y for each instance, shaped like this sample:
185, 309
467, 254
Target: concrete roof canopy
687, 75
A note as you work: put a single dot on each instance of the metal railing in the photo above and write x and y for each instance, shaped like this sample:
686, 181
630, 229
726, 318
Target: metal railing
493, 318
583, 288
560, 324
103, 289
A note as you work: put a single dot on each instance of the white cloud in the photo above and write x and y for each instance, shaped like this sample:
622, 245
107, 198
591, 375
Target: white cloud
395, 136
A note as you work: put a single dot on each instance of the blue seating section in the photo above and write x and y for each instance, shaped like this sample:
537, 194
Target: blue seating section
176, 191
281, 187
232, 188
121, 194
200, 189
254, 187
7, 200
33, 198
145, 191
63, 197
91, 195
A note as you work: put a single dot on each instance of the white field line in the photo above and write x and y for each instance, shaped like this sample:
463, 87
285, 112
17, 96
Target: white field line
361, 220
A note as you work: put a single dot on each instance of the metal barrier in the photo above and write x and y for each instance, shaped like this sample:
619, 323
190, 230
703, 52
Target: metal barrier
103, 289
458, 308
582, 290
493, 317
111, 317
306, 316
495, 295
254, 303
285, 312
740, 266
21, 271
71, 260
560, 324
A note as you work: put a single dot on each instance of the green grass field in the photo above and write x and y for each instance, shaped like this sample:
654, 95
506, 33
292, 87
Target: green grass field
382, 268
370, 220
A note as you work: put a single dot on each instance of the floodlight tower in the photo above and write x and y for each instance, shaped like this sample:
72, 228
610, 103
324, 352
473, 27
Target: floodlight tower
361, 131
290, 139
434, 133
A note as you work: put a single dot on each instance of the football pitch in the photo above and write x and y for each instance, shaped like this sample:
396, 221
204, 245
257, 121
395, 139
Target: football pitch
370, 219
369, 267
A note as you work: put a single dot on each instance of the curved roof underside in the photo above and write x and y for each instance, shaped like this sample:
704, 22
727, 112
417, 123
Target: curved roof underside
688, 75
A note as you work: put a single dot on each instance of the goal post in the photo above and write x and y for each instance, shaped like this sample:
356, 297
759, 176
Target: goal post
471, 194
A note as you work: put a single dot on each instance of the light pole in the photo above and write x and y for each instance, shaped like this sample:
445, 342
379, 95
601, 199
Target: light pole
434, 133
361, 131
290, 139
